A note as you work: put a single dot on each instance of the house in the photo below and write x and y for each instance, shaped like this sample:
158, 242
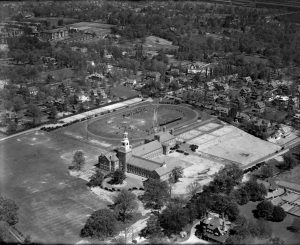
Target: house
259, 107
245, 91
262, 123
215, 228
153, 75
223, 111
243, 116
240, 101
55, 34
33, 90
248, 80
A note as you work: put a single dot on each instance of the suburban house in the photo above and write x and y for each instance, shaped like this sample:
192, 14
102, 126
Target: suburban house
215, 228
259, 106
245, 91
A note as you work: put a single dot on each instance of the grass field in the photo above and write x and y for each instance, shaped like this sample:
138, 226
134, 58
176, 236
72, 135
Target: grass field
139, 124
278, 228
34, 172
157, 43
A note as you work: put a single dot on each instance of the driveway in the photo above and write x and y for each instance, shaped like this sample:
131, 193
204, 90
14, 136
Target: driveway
193, 239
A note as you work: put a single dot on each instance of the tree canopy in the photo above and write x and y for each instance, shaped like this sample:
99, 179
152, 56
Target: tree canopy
78, 160
8, 211
125, 205
156, 193
173, 219
101, 224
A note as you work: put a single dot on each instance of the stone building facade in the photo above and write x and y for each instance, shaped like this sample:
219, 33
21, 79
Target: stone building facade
138, 160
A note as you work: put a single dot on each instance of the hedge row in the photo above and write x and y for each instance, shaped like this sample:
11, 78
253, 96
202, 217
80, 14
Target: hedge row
130, 189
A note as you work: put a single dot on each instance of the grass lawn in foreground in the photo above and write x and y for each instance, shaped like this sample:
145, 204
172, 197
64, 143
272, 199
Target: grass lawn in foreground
278, 228
53, 206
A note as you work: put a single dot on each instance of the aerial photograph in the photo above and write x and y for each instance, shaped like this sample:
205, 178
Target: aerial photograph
150, 122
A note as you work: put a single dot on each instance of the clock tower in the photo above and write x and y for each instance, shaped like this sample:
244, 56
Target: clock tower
124, 152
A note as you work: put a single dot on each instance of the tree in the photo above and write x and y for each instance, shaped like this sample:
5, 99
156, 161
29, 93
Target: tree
240, 231
289, 162
193, 188
256, 192
241, 196
60, 22
224, 204
118, 177
194, 147
12, 127
8, 211
278, 214
101, 224
266, 171
96, 179
276, 241
152, 229
175, 174
156, 193
5, 235
173, 219
18, 103
53, 113
125, 205
35, 112
264, 210
226, 179
78, 160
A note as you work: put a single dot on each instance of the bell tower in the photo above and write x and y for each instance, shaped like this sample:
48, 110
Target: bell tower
124, 152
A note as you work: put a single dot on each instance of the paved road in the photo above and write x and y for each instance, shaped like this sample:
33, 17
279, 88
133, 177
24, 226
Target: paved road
193, 239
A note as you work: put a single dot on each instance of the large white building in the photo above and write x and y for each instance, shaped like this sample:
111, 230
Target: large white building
138, 160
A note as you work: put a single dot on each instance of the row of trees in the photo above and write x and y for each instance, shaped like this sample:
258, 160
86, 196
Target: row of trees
105, 223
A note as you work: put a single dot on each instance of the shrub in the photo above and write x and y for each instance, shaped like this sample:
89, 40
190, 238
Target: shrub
278, 214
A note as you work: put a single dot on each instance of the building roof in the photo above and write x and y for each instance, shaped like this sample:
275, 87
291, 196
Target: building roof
166, 168
220, 239
288, 185
143, 163
146, 148
55, 30
112, 156
165, 136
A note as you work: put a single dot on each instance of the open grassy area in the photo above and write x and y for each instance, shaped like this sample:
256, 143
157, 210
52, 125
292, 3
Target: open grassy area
34, 172
278, 228
139, 121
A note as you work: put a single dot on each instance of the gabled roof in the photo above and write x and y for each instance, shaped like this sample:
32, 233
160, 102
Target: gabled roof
146, 148
143, 163
167, 168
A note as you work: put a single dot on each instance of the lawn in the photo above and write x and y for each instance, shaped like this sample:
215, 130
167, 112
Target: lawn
278, 228
139, 124
34, 172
